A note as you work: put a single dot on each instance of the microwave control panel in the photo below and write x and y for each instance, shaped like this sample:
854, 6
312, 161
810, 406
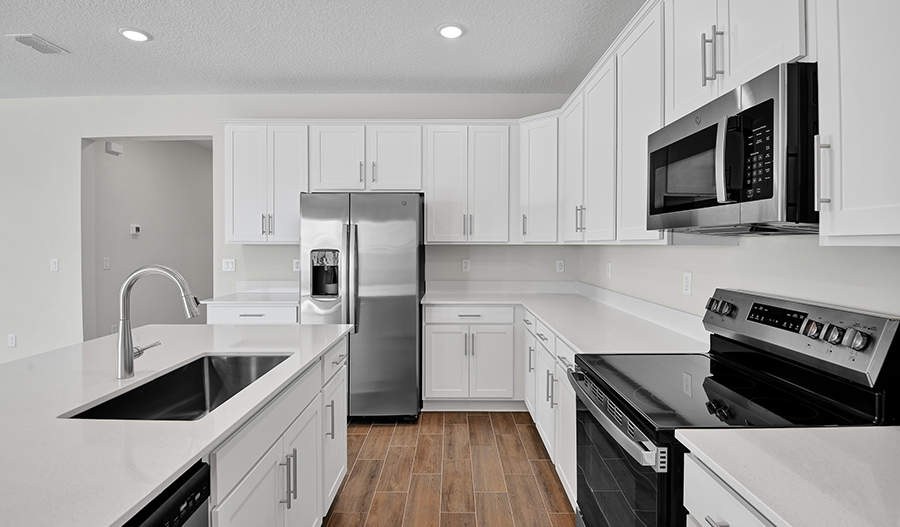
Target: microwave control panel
755, 127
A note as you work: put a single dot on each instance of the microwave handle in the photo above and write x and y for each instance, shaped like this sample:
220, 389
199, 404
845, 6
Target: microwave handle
721, 134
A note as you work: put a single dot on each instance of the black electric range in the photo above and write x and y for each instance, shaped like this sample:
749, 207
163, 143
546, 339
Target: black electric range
773, 362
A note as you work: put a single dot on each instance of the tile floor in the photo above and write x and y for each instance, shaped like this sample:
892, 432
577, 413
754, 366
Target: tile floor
449, 469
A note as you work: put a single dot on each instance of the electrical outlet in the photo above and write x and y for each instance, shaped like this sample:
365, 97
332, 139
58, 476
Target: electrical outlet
54, 264
686, 283
608, 270
297, 265
11, 340
686, 384
114, 328
560, 266
228, 264
106, 263
465, 265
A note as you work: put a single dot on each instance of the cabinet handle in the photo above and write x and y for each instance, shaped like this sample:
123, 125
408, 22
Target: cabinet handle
541, 336
577, 227
270, 224
466, 345
469, 316
263, 225
373, 171
715, 63
295, 474
714, 523
252, 315
583, 228
471, 224
548, 385
464, 224
817, 172
339, 360
473, 343
530, 356
332, 419
553, 383
362, 176
526, 321
287, 479
565, 361
524, 224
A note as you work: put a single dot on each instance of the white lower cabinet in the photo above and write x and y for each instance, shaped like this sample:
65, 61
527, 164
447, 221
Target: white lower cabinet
545, 413
302, 443
468, 361
334, 433
530, 346
710, 501
566, 459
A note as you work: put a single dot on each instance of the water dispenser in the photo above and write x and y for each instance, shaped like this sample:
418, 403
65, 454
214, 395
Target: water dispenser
325, 272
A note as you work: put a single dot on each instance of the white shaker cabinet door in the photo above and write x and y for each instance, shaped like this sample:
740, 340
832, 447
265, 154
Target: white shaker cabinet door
640, 68
571, 163
690, 80
531, 369
566, 457
598, 217
334, 436
446, 184
254, 502
539, 181
302, 442
858, 110
336, 157
246, 194
491, 361
488, 183
394, 157
446, 360
288, 176
546, 412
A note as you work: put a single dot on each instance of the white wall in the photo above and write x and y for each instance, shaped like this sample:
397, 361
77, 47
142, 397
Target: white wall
166, 187
502, 263
40, 185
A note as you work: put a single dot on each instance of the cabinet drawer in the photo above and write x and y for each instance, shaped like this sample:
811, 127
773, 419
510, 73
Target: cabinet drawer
564, 353
251, 314
529, 320
234, 458
707, 495
334, 360
469, 314
546, 337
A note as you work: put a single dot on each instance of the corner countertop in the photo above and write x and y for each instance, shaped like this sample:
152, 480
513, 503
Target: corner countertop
808, 477
586, 325
269, 298
79, 472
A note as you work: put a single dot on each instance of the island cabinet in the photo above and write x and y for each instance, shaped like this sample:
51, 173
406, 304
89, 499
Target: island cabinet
712, 503
334, 424
469, 352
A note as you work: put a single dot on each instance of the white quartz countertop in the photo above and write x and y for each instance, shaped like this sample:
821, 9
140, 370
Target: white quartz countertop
78, 472
257, 297
586, 325
808, 477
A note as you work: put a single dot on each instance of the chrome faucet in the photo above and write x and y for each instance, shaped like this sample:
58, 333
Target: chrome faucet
127, 354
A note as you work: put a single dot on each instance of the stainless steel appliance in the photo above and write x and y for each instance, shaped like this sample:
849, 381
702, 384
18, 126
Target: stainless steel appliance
362, 263
773, 362
184, 503
741, 164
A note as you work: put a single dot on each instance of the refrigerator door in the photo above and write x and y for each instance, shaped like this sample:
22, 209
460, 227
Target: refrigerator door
324, 220
384, 353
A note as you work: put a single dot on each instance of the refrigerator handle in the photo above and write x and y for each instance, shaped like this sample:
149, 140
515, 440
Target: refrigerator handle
345, 274
354, 277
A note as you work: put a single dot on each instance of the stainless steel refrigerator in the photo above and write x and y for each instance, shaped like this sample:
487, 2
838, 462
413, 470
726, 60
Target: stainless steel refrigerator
363, 264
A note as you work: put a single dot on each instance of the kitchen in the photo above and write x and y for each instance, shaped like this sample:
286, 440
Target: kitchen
855, 277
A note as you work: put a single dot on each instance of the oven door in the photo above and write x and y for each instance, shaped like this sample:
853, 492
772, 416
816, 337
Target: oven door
622, 481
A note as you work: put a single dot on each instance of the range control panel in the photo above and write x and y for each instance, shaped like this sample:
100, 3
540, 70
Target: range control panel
850, 344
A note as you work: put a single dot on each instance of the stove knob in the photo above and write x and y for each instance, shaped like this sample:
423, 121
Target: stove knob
832, 334
711, 407
712, 305
726, 309
810, 328
856, 340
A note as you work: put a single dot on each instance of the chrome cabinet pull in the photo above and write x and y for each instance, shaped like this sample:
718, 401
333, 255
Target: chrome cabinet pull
583, 228
469, 316
339, 360
464, 225
373, 171
565, 361
553, 382
541, 336
362, 176
526, 321
252, 315
577, 227
287, 479
473, 343
471, 224
714, 523
524, 224
817, 172
466, 345
703, 42
263, 225
530, 357
295, 475
548, 385
332, 419
270, 224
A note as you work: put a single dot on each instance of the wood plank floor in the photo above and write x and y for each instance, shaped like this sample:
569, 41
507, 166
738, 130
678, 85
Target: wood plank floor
449, 469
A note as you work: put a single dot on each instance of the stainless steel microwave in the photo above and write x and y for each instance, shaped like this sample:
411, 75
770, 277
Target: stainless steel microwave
741, 164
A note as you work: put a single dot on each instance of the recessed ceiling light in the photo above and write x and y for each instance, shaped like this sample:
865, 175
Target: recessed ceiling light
450, 31
135, 34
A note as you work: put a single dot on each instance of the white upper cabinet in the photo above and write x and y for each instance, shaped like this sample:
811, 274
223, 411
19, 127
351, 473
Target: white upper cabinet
571, 168
265, 172
598, 213
859, 187
539, 180
346, 158
713, 46
640, 113
467, 184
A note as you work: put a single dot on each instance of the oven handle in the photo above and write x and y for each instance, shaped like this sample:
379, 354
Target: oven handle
721, 134
644, 457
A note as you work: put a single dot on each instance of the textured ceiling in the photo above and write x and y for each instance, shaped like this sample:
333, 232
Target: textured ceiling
306, 46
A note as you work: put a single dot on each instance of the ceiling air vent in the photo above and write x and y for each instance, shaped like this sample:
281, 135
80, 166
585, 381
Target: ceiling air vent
37, 43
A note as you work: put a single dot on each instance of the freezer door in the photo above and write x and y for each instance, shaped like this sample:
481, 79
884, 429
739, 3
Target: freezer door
384, 353
324, 220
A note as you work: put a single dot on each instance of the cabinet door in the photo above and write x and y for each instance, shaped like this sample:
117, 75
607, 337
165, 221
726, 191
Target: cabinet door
246, 194
488, 196
288, 176
858, 171
394, 157
546, 415
571, 166
302, 442
758, 36
334, 436
531, 369
599, 215
336, 157
446, 190
446, 360
640, 67
686, 87
491, 361
566, 458
255, 500
539, 171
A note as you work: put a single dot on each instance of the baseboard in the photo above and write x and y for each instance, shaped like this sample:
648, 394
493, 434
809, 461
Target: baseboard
472, 405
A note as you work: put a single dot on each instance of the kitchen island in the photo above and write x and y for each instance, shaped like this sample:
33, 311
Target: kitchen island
79, 472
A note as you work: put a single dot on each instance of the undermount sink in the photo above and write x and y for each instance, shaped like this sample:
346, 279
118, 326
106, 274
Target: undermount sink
187, 393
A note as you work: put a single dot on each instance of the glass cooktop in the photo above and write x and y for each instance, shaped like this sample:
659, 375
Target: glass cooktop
697, 391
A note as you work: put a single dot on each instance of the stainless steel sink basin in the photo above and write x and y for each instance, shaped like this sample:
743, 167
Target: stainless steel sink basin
188, 393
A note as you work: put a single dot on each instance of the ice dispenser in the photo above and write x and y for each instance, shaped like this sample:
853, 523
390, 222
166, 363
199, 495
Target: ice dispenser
325, 272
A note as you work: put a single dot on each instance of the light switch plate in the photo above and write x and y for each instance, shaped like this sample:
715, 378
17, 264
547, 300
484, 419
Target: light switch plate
106, 263
54, 264
465, 265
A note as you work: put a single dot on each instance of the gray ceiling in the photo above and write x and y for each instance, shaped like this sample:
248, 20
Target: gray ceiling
306, 46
